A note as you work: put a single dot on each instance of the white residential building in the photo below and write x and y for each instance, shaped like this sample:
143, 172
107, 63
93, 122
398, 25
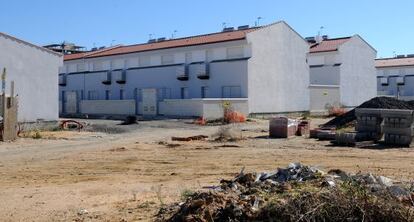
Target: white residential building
342, 72
258, 70
396, 76
33, 69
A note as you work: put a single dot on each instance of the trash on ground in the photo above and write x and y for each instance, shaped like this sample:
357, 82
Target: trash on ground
190, 138
297, 193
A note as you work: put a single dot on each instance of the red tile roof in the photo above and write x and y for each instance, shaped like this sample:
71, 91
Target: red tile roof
394, 62
181, 42
328, 45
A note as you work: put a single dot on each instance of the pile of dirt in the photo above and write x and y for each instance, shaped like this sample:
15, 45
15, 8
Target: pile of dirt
378, 102
297, 193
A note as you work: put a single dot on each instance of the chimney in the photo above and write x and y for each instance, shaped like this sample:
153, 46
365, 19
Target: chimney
319, 39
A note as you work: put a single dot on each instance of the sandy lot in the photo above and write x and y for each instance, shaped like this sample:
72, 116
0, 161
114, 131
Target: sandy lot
96, 176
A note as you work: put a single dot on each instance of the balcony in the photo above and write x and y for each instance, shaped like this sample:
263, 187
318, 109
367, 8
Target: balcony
202, 71
108, 79
182, 73
62, 80
122, 79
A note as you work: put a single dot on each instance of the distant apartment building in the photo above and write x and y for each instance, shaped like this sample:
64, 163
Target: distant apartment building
396, 76
342, 72
33, 70
257, 70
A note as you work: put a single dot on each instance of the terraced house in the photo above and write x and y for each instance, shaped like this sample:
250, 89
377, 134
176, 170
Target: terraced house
396, 76
342, 72
257, 70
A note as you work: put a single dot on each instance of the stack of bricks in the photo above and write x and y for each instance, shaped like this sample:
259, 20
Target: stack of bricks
303, 128
398, 126
282, 127
369, 123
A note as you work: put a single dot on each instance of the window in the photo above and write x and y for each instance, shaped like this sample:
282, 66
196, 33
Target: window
138, 95
121, 94
62, 96
400, 80
231, 92
184, 93
188, 57
144, 61
93, 95
118, 64
131, 62
163, 93
204, 92
107, 94
167, 59
235, 52
80, 93
80, 67
209, 55
384, 81
97, 66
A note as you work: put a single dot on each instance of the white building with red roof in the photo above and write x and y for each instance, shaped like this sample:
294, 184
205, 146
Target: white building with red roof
342, 72
257, 70
396, 76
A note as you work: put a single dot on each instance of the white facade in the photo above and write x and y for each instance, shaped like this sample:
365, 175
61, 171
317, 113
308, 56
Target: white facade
342, 77
395, 77
278, 72
267, 70
33, 69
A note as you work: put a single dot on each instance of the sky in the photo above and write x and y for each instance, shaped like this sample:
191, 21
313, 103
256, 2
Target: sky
388, 25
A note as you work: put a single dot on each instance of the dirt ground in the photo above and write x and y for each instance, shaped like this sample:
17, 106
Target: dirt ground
124, 173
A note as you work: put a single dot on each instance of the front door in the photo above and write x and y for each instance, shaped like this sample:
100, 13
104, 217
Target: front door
149, 102
71, 103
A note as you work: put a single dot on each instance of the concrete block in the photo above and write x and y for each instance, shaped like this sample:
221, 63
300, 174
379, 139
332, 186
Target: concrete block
368, 112
399, 131
394, 139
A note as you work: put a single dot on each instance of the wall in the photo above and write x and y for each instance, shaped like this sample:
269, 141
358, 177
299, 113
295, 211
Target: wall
34, 71
111, 107
278, 76
323, 96
207, 108
358, 73
181, 107
213, 109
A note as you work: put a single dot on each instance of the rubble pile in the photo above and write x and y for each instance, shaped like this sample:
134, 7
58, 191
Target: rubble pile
297, 193
376, 103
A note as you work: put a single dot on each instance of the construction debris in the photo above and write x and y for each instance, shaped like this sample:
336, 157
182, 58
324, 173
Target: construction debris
190, 138
130, 120
396, 124
297, 193
378, 103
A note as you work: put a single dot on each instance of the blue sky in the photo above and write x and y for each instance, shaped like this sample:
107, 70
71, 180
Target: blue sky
385, 24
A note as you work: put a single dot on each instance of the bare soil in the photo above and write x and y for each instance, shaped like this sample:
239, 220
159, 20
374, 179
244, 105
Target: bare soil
104, 176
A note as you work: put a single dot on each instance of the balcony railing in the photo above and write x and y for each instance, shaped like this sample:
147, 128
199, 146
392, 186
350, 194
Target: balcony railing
122, 79
108, 79
182, 73
202, 71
